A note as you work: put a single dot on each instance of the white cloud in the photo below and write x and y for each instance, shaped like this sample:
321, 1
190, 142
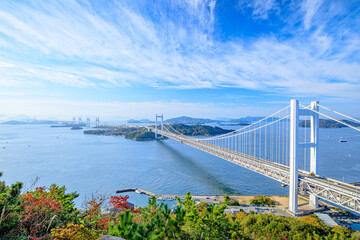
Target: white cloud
169, 46
310, 8
261, 8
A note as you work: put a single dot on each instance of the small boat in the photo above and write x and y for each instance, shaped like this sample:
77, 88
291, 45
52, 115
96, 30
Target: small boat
343, 140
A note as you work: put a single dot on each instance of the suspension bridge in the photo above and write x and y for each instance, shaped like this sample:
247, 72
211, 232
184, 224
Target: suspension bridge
278, 148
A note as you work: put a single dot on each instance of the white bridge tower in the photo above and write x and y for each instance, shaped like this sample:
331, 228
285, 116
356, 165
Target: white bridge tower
161, 117
295, 113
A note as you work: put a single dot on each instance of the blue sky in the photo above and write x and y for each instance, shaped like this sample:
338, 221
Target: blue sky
131, 59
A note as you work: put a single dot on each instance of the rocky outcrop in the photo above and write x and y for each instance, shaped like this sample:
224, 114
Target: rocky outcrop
108, 237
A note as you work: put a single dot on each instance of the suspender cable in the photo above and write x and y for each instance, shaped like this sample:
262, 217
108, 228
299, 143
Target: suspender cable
266, 141
305, 140
354, 119
339, 121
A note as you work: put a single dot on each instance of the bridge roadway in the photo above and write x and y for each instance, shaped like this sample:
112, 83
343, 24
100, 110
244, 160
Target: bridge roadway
337, 192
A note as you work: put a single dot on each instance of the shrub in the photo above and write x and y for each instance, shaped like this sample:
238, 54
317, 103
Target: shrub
262, 200
93, 218
313, 220
74, 232
39, 212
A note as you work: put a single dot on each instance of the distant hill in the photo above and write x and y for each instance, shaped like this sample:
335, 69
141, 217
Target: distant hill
246, 120
189, 120
325, 123
199, 130
30, 122
140, 121
71, 125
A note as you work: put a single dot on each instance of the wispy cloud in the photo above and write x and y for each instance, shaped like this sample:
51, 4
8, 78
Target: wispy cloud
310, 8
261, 8
171, 45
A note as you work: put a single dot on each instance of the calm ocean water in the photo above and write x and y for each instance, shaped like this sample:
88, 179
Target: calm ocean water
88, 163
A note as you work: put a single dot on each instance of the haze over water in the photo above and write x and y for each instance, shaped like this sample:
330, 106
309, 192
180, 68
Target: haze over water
89, 163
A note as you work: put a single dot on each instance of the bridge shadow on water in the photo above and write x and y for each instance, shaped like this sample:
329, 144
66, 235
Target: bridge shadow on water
197, 170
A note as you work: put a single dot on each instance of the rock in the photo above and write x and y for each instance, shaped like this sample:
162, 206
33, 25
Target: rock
108, 237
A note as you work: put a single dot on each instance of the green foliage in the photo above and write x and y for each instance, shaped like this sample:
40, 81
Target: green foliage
9, 208
135, 133
208, 221
262, 200
126, 227
141, 134
231, 201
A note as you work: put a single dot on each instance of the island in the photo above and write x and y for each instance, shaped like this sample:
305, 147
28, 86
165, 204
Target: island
14, 122
144, 134
190, 120
199, 130
76, 126
140, 121
234, 124
134, 133
247, 119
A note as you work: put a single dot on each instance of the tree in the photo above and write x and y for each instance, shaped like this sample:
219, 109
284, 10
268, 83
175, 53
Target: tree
9, 207
38, 214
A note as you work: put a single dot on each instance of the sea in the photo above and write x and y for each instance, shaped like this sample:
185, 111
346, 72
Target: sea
90, 164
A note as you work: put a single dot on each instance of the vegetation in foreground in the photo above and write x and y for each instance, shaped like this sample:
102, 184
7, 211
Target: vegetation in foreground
50, 213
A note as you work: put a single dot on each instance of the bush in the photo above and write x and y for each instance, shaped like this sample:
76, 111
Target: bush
74, 232
262, 200
39, 212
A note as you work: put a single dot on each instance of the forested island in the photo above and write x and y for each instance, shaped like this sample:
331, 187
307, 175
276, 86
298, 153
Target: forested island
325, 123
144, 134
134, 133
199, 130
